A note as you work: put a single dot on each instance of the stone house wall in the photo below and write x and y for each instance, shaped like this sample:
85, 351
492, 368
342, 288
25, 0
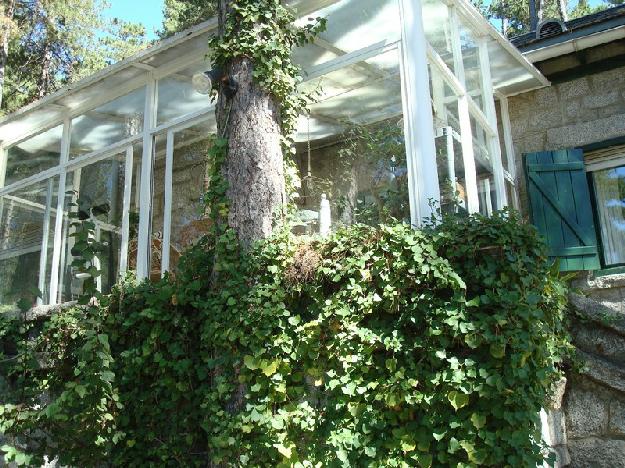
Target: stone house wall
588, 421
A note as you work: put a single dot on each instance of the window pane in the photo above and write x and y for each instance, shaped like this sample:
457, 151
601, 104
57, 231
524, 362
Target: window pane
438, 29
471, 61
484, 169
189, 218
34, 155
450, 163
108, 124
351, 149
27, 220
176, 96
610, 190
98, 189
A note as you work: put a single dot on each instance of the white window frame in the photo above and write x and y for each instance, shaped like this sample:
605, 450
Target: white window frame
414, 55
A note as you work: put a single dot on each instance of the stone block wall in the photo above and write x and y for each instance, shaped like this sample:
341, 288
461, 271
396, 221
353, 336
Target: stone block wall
576, 113
587, 424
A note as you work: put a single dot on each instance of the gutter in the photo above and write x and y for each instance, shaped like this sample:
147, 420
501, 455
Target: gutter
575, 44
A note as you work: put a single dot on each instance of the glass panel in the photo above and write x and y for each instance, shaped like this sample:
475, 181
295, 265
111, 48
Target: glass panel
484, 169
98, 189
438, 29
471, 61
189, 218
511, 195
34, 155
352, 25
351, 150
108, 124
27, 220
502, 143
450, 163
176, 96
610, 191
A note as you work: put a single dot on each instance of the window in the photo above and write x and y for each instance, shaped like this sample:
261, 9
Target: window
108, 124
27, 219
33, 155
607, 169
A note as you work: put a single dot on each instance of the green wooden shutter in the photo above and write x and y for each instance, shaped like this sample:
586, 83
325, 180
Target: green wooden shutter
560, 207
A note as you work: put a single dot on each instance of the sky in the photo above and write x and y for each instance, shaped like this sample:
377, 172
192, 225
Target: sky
147, 12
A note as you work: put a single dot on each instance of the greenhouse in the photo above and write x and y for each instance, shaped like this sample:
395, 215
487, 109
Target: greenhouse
410, 116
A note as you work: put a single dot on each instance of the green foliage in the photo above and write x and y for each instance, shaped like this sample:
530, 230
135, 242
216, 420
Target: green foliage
376, 347
182, 14
54, 42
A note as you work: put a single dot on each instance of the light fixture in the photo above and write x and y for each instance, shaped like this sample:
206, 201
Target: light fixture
204, 82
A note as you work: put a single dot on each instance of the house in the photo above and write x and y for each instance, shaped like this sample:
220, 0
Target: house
569, 139
406, 113
417, 102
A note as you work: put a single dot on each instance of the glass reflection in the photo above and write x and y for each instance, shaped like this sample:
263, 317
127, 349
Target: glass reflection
610, 191
34, 155
108, 124
27, 219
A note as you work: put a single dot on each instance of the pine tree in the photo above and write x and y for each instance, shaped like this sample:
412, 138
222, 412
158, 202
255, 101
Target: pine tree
182, 14
48, 43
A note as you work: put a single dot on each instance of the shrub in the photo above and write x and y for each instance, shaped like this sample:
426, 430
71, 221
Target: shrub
376, 347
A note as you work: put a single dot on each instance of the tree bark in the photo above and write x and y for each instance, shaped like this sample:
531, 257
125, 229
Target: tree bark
536, 13
254, 165
4, 46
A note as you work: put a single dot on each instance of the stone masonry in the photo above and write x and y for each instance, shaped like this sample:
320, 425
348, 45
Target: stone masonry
568, 115
587, 421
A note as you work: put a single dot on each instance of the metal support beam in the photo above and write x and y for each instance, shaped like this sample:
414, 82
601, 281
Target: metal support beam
493, 140
466, 134
60, 208
43, 257
145, 212
169, 170
419, 135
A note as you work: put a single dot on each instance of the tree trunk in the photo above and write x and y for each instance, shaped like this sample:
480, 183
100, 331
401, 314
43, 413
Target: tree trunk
536, 13
4, 46
43, 84
254, 166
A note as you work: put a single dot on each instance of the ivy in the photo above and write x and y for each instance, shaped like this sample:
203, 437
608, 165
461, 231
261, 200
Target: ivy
376, 347
264, 31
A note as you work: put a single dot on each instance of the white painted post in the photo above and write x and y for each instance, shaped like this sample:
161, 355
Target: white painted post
43, 257
509, 145
466, 134
419, 135
145, 212
451, 159
96, 260
60, 215
493, 140
169, 169
128, 168
3, 168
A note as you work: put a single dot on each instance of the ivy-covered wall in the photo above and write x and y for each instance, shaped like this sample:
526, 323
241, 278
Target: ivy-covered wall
376, 347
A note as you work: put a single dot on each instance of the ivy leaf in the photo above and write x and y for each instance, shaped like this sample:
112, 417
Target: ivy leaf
250, 362
269, 368
478, 420
286, 452
81, 390
458, 399
497, 350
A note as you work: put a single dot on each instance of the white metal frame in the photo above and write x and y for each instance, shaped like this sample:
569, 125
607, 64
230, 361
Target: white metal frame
419, 135
414, 52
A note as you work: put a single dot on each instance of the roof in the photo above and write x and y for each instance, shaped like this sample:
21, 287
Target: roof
363, 33
601, 21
